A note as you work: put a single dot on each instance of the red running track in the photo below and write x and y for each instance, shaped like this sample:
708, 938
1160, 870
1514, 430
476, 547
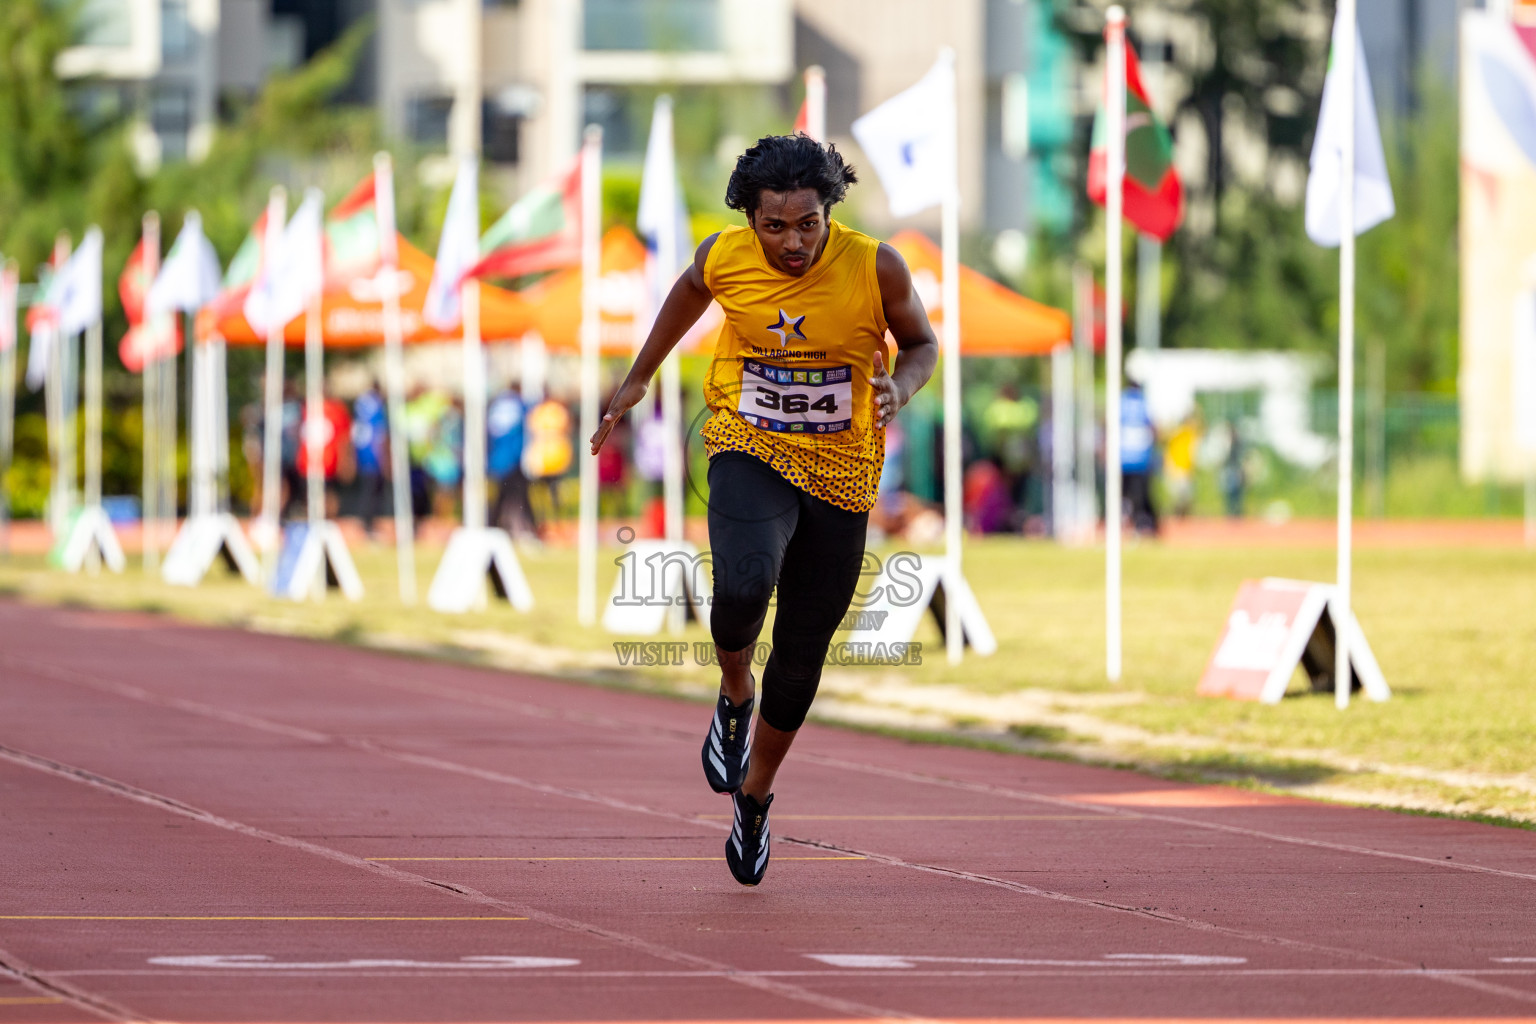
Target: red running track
207, 825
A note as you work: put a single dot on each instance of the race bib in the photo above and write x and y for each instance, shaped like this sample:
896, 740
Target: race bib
818, 401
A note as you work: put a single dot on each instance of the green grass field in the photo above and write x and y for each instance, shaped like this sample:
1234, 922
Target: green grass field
1452, 629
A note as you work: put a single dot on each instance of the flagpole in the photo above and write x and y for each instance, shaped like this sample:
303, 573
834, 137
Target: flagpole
1115, 198
1085, 506
816, 102
474, 407
1063, 419
57, 378
71, 361
197, 430
394, 379
220, 417
149, 518
92, 358
272, 431
949, 238
591, 326
1342, 675
665, 269
314, 411
166, 386
10, 282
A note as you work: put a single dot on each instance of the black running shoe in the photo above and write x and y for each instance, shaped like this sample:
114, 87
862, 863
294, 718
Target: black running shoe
726, 747
746, 852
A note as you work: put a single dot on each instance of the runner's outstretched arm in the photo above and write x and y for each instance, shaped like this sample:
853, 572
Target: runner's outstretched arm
686, 302
905, 316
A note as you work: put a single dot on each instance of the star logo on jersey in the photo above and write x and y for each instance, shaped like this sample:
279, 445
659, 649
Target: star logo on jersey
787, 324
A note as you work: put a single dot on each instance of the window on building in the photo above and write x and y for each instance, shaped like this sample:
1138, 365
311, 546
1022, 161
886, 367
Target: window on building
170, 115
612, 107
177, 41
284, 43
499, 128
99, 104
669, 25
426, 119
102, 23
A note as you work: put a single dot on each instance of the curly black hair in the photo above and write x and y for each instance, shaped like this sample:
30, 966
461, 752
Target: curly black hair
787, 163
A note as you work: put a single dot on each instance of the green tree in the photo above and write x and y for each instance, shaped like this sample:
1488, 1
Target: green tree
1409, 296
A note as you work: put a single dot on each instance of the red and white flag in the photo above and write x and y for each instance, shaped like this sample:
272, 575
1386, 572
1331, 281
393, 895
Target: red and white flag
812, 119
145, 342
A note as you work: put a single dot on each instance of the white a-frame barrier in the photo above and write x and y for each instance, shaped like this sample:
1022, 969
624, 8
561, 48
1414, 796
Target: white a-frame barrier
211, 532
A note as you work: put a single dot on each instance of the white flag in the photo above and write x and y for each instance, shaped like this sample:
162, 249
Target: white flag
76, 291
663, 215
292, 271
458, 249
1373, 190
910, 141
189, 278
39, 352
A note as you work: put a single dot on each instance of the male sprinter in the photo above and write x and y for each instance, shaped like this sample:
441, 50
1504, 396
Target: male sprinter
800, 399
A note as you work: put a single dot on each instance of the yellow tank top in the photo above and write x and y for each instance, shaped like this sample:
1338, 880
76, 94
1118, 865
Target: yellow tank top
789, 383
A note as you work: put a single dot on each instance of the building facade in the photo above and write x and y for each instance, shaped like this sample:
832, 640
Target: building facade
515, 80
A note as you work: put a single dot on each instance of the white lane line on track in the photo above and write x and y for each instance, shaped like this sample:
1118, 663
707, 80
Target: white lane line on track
630, 942
551, 714
887, 975
981, 788
51, 986
369, 746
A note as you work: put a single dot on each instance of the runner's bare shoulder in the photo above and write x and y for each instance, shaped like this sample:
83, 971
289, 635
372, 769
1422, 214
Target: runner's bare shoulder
701, 257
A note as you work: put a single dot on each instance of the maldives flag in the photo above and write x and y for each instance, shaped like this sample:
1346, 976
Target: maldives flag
352, 235
1154, 197
145, 342
541, 231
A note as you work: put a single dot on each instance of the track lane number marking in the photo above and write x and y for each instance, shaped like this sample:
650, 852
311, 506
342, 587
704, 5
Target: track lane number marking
255, 961
866, 961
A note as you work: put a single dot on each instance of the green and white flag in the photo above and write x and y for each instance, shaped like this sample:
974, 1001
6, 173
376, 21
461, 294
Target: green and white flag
1325, 183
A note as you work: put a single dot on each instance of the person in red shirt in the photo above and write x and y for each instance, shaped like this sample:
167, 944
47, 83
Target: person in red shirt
338, 462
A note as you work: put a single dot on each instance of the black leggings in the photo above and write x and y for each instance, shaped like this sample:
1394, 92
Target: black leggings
763, 530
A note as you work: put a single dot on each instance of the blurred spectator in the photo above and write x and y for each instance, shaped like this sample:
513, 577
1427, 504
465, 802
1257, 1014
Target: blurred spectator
547, 453
252, 425
987, 505
370, 443
613, 469
650, 466
333, 431
1138, 447
1179, 464
423, 410
893, 473
1234, 479
1007, 428
505, 429
292, 479
444, 460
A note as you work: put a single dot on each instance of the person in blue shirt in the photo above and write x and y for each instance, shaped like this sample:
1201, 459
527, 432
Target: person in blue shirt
1138, 450
504, 422
370, 441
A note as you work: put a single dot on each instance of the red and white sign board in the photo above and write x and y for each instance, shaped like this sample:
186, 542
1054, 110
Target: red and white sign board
1276, 625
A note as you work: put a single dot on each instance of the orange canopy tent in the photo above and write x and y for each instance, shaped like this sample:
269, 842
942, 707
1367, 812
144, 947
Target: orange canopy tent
555, 303
352, 315
994, 321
